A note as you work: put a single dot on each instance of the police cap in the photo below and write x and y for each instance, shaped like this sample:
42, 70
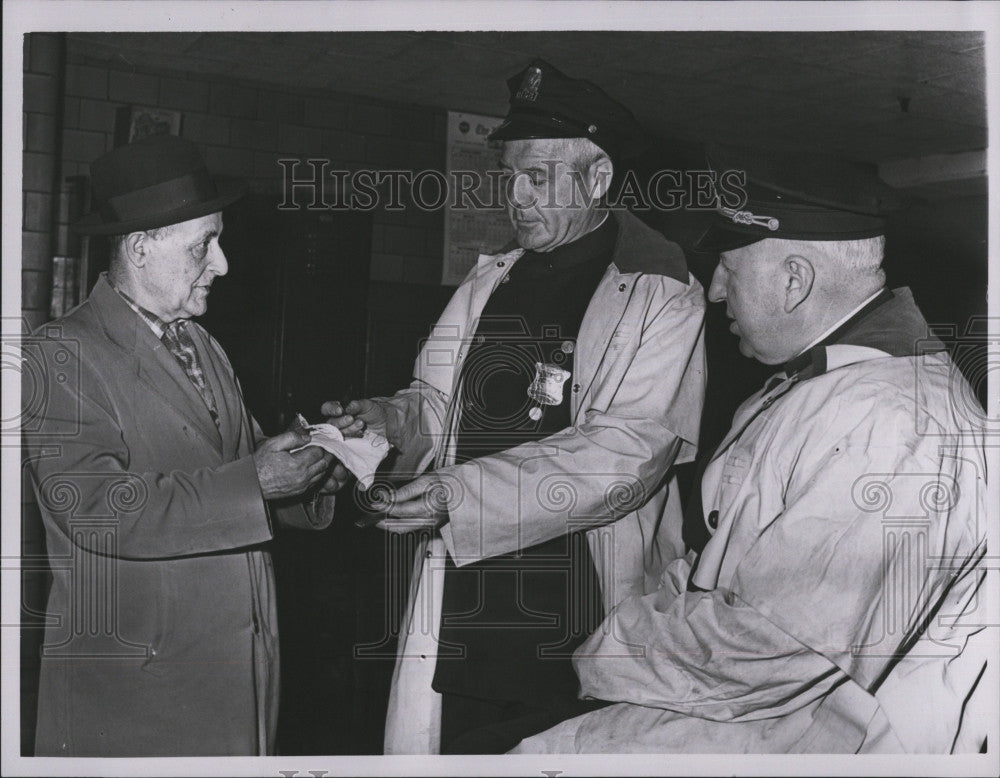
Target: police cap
545, 103
763, 195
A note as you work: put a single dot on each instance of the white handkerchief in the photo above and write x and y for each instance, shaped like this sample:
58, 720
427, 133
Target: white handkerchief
359, 455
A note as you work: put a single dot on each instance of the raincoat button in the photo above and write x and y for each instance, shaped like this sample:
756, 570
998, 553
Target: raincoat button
713, 519
501, 263
576, 387
622, 287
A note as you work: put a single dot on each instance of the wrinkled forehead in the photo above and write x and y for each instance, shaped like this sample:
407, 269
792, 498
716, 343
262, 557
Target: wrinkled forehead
534, 152
757, 254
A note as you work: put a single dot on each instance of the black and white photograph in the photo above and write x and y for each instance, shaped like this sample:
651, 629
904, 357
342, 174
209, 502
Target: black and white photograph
500, 388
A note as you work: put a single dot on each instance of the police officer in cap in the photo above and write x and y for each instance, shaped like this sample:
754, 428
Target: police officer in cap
572, 381
830, 604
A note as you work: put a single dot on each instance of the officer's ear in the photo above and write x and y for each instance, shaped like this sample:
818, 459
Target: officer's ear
599, 175
798, 274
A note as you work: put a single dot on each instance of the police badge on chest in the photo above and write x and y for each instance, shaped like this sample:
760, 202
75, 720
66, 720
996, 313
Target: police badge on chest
546, 388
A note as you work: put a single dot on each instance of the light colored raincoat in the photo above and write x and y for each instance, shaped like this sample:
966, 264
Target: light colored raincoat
636, 396
851, 513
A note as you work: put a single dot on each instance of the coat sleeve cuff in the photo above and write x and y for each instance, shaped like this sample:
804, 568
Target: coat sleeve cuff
449, 540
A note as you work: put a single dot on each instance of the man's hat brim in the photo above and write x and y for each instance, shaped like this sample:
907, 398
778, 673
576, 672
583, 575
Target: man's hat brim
228, 192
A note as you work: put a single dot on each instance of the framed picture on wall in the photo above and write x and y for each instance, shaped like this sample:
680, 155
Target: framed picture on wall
136, 121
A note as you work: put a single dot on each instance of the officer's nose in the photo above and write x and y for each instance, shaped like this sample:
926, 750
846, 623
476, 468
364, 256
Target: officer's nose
717, 289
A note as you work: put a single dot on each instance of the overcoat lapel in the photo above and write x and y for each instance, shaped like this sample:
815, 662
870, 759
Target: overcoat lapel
161, 373
157, 370
227, 396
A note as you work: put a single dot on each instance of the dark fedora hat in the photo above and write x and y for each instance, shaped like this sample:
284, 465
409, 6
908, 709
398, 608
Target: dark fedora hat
153, 182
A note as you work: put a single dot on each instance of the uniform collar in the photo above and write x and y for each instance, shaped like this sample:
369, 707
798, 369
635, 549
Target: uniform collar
889, 322
638, 249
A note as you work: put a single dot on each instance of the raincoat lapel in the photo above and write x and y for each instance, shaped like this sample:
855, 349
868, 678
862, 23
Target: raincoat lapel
604, 314
490, 271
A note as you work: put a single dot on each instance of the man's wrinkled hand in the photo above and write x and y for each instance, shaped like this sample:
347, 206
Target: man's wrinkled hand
420, 504
339, 475
355, 417
285, 474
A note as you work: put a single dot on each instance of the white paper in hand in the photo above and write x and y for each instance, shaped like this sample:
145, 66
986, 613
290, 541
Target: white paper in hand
359, 455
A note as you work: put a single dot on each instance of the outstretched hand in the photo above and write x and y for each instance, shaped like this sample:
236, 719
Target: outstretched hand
420, 504
353, 418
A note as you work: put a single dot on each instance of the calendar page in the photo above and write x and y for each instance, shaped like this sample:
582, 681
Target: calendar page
470, 229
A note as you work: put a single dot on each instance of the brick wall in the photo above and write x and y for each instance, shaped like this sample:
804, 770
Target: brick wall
244, 127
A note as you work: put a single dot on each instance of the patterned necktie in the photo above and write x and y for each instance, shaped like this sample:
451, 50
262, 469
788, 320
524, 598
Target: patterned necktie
177, 339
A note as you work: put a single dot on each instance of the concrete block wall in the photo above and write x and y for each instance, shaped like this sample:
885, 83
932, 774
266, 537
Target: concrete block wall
245, 127
43, 66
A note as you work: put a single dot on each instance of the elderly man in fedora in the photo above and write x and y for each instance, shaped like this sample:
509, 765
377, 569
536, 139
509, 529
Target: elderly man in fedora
560, 385
833, 598
157, 489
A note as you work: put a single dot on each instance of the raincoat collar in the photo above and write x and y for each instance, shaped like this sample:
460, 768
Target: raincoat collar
638, 248
891, 323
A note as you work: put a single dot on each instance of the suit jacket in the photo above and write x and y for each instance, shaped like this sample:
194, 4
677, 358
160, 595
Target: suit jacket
635, 399
161, 636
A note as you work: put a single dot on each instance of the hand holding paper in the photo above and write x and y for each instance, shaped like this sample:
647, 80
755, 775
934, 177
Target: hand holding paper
355, 416
360, 455
281, 471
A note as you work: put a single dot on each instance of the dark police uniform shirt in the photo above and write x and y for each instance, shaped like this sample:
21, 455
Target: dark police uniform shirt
510, 623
